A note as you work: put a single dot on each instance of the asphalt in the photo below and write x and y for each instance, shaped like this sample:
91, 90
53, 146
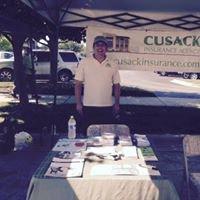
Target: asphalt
160, 99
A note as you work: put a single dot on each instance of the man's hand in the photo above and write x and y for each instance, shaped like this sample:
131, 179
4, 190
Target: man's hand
116, 108
79, 108
78, 90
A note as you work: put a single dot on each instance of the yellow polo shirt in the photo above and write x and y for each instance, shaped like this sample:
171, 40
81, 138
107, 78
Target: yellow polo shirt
98, 79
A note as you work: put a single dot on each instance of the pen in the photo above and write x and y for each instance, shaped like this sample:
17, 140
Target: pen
149, 167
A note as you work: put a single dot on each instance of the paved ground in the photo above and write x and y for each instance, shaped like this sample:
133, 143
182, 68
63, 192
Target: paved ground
153, 82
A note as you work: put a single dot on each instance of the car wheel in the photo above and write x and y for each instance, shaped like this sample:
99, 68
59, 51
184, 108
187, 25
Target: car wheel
64, 76
186, 75
6, 75
194, 76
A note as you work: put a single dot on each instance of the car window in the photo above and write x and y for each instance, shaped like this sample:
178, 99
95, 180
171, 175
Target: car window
42, 56
68, 57
8, 55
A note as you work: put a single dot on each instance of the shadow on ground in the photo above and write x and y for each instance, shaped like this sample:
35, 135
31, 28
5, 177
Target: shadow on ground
141, 119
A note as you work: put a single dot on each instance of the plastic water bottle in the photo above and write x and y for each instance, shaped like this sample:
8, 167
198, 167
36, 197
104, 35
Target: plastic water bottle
71, 128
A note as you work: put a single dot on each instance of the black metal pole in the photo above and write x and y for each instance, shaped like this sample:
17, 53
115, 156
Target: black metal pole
33, 69
54, 60
19, 68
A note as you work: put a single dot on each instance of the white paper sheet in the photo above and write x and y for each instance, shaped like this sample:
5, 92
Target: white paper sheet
142, 140
64, 170
105, 150
124, 169
129, 151
125, 140
67, 156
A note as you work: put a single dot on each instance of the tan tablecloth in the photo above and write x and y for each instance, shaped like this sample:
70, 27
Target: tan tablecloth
102, 187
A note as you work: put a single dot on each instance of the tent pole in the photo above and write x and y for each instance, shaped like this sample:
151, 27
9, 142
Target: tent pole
19, 73
54, 60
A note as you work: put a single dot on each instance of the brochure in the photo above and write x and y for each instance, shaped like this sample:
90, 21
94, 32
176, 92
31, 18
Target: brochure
68, 156
72, 145
142, 140
105, 150
65, 170
113, 152
125, 140
148, 154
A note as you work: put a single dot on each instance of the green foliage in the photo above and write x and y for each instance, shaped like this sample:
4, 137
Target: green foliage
5, 45
71, 45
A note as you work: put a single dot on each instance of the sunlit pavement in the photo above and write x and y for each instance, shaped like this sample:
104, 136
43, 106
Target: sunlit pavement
162, 99
164, 95
189, 83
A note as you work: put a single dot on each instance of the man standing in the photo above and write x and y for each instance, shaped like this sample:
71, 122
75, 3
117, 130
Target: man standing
100, 77
29, 73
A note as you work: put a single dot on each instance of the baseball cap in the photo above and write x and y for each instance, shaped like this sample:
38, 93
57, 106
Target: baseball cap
25, 45
100, 38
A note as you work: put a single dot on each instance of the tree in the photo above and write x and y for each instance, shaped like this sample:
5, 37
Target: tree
71, 45
5, 45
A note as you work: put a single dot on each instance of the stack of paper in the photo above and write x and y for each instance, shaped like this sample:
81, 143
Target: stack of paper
148, 154
68, 161
64, 170
142, 140
130, 151
124, 169
113, 152
68, 156
106, 150
70, 145
125, 140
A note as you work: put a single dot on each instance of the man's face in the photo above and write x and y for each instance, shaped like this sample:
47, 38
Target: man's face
25, 51
100, 48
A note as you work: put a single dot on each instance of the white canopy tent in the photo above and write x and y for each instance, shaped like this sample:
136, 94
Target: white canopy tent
178, 20
126, 14
172, 28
